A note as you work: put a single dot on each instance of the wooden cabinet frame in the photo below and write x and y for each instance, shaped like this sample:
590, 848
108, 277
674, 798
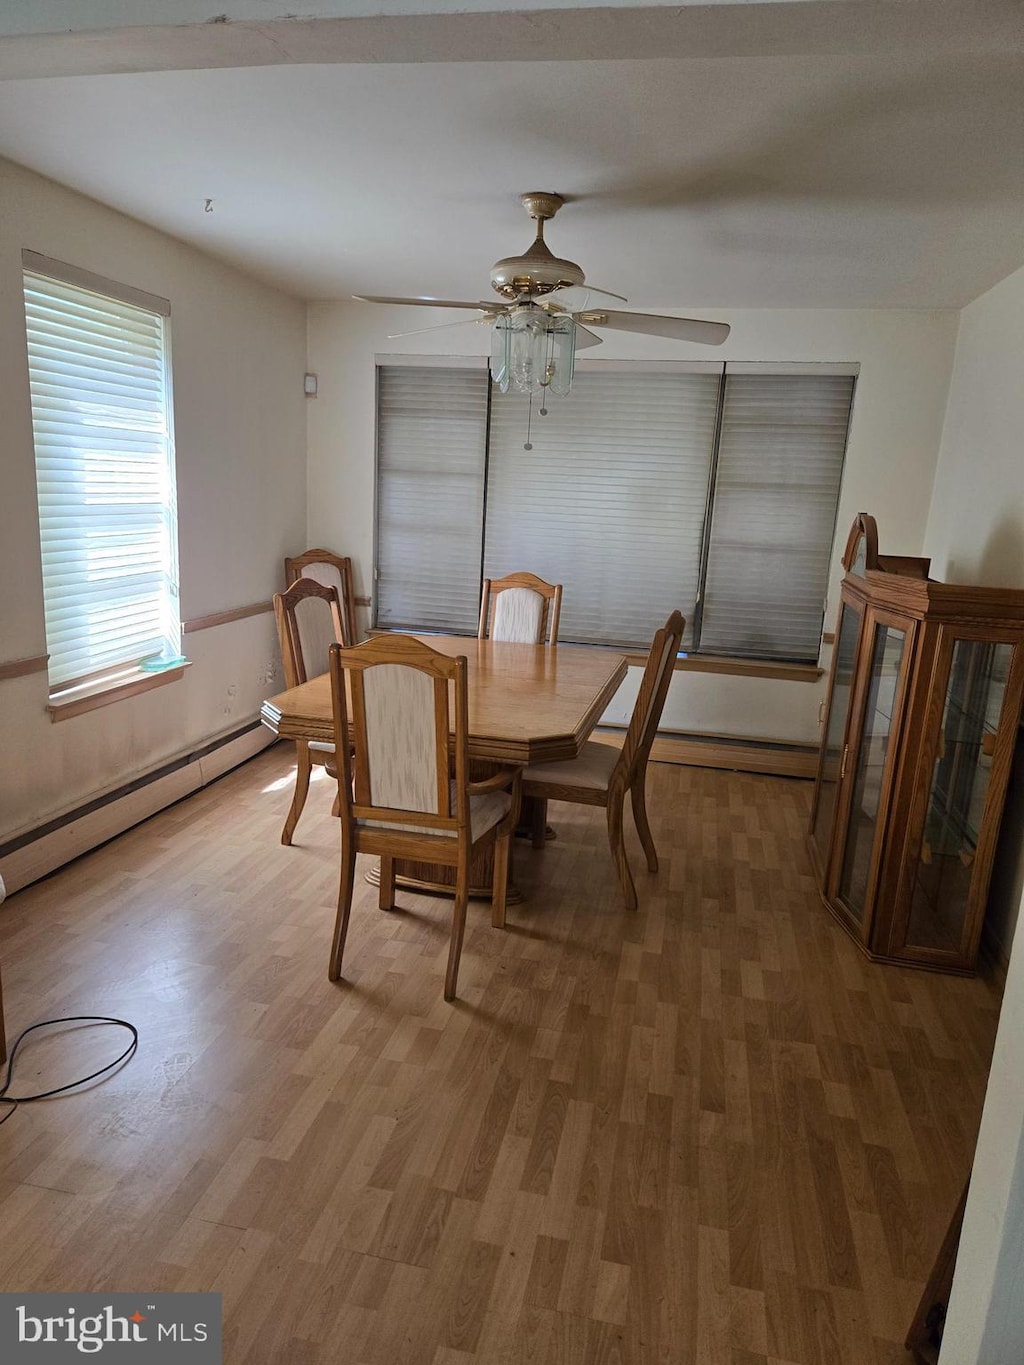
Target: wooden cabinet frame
871, 620
918, 788
895, 593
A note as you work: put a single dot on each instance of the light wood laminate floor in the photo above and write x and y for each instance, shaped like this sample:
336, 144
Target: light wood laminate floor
708, 1132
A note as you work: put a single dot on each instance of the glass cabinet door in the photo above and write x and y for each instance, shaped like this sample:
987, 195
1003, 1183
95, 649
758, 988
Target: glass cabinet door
943, 873
870, 767
832, 752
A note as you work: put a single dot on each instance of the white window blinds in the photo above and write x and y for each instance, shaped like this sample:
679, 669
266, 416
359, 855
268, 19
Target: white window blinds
609, 502
99, 375
780, 461
431, 439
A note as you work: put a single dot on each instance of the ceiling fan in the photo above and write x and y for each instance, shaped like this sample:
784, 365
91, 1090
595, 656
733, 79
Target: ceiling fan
547, 311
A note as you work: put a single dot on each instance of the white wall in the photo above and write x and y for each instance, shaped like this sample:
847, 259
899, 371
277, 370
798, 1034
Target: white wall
905, 360
238, 355
975, 534
985, 1320
975, 530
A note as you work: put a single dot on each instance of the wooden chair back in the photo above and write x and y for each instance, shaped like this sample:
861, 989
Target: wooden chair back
521, 608
309, 620
650, 702
402, 702
333, 571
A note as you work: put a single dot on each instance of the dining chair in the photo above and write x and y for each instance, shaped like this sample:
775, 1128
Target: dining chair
520, 608
394, 717
333, 571
309, 619
603, 774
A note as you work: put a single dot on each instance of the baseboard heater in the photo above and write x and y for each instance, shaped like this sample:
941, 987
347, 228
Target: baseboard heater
40, 851
773, 757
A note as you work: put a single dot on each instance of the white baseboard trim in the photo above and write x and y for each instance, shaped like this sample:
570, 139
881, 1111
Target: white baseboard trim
37, 857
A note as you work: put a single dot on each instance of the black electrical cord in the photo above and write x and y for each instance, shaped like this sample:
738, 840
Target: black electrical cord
15, 1100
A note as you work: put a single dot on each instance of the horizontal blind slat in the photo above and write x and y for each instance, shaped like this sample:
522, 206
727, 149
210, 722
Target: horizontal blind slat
610, 502
97, 371
432, 431
780, 462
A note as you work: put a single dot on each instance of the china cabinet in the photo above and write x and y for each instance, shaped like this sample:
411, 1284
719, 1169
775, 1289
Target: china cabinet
923, 707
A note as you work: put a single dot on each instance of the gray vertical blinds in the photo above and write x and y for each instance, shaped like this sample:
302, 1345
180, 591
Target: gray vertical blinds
609, 502
780, 461
431, 439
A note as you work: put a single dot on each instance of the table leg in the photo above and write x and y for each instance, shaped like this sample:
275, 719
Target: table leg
533, 822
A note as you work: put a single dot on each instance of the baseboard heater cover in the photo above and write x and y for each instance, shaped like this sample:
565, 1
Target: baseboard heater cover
43, 850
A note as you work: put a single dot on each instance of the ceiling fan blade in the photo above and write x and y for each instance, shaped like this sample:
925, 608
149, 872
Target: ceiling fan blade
585, 338
440, 327
423, 302
577, 297
657, 325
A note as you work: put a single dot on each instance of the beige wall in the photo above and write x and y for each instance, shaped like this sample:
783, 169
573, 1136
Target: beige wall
238, 355
904, 360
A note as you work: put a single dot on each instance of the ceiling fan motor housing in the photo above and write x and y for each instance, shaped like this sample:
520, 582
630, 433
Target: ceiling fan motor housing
537, 271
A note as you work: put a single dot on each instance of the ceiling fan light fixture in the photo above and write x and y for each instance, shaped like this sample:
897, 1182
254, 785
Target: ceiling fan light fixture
533, 351
547, 311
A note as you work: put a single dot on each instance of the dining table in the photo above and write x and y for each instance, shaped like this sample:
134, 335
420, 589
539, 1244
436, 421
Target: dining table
527, 704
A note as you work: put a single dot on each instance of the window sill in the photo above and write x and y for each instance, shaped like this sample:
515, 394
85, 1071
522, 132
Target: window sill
75, 701
744, 668
685, 663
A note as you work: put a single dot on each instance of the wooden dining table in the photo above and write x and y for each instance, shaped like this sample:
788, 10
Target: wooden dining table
527, 704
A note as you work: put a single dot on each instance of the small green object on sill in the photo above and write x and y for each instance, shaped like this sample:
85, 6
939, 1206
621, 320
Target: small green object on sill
159, 663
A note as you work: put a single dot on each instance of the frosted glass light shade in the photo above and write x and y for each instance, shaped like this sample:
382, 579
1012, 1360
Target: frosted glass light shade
533, 350
501, 348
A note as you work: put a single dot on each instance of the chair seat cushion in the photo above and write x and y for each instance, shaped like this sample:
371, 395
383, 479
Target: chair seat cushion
319, 747
592, 771
484, 813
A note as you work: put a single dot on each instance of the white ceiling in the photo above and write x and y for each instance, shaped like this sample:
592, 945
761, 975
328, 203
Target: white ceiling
889, 172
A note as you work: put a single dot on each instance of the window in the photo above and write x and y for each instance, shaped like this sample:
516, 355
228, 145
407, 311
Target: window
430, 497
776, 490
609, 502
708, 488
99, 374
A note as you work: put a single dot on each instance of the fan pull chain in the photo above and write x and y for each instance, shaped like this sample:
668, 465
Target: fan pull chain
549, 367
528, 445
